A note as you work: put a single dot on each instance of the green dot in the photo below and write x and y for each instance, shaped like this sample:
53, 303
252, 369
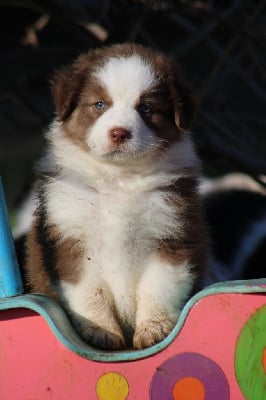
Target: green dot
249, 356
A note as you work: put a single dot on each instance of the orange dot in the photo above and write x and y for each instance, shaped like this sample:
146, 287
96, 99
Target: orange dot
264, 360
189, 388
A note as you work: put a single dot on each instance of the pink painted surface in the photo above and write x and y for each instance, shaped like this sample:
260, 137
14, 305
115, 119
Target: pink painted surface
34, 365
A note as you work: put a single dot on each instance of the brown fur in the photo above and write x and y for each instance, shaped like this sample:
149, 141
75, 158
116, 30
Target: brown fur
85, 115
48, 253
191, 245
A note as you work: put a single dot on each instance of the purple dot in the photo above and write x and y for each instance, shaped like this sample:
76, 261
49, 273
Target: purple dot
189, 365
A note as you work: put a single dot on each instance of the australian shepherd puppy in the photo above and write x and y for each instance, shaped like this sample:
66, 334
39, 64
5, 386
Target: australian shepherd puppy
117, 236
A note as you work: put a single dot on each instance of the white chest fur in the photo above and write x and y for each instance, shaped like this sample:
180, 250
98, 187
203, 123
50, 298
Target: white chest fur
118, 230
121, 223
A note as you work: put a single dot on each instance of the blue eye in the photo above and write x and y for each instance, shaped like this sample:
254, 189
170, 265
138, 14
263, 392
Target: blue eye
144, 109
100, 105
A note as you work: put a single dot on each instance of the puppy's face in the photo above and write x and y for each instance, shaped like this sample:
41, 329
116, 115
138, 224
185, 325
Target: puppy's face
122, 103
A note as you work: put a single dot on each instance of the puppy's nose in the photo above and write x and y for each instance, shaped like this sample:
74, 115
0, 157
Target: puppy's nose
119, 135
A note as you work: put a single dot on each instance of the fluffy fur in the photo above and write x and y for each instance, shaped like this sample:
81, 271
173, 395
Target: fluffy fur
117, 236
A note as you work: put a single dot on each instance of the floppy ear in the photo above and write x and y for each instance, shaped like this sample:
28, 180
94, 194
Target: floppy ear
66, 86
185, 103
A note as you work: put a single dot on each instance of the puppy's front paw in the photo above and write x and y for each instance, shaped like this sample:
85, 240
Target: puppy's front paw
106, 340
151, 332
98, 336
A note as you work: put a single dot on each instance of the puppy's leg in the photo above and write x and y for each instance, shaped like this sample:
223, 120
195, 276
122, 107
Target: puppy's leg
161, 294
92, 312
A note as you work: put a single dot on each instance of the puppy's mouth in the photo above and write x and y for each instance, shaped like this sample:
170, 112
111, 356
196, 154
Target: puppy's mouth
128, 155
119, 154
130, 150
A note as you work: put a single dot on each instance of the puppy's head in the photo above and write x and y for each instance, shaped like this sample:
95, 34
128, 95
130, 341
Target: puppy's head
123, 103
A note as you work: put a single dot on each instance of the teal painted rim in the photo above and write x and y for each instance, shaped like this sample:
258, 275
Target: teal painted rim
65, 333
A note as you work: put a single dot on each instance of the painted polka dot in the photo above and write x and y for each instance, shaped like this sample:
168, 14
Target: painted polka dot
189, 388
202, 376
250, 356
112, 386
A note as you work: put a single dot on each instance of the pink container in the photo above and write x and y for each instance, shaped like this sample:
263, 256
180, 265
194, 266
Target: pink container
217, 351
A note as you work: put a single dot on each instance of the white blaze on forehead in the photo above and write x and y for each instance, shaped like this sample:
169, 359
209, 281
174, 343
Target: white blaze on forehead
126, 77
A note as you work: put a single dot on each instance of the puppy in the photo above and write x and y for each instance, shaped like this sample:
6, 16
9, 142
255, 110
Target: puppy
117, 236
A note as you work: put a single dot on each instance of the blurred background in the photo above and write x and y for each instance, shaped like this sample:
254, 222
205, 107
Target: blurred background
220, 45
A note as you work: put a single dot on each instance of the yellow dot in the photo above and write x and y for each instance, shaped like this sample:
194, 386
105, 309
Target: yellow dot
189, 388
112, 386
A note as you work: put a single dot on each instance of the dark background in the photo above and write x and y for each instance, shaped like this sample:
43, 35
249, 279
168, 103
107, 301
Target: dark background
220, 45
